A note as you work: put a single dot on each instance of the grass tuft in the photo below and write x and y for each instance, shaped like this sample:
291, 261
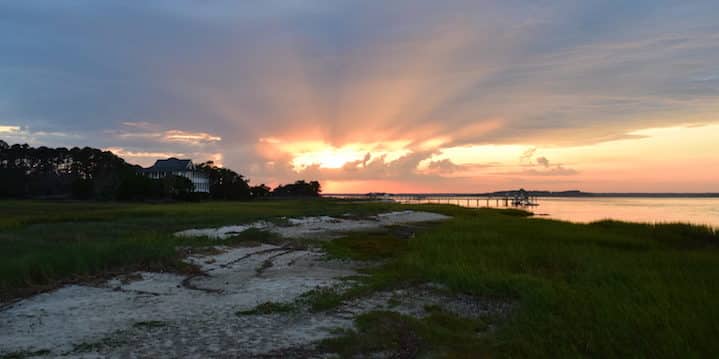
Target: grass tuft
390, 334
268, 308
366, 246
323, 298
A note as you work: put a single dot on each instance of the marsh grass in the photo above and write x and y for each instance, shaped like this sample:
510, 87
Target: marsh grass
268, 308
324, 298
606, 289
390, 334
365, 246
44, 243
32, 263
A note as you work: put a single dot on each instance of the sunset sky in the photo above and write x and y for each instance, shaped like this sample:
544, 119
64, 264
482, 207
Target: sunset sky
386, 95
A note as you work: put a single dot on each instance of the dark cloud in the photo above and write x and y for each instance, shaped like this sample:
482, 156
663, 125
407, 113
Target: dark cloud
542, 168
543, 161
445, 166
557, 170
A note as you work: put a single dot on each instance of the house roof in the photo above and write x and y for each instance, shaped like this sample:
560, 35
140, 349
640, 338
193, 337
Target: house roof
170, 164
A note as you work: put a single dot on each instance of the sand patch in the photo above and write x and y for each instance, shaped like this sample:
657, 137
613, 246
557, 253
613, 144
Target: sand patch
319, 226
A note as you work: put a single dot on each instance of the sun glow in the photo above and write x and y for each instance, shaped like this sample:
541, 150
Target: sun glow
643, 155
356, 154
306, 154
328, 158
478, 154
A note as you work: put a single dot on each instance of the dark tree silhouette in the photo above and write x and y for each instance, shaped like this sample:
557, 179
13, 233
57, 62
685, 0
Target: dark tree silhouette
225, 183
177, 187
260, 191
83, 173
298, 189
47, 172
90, 173
139, 187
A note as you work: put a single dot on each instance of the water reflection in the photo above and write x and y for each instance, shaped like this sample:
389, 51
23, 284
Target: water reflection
651, 210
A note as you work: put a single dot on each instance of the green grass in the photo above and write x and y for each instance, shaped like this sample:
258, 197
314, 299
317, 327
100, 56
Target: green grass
175, 216
268, 308
390, 334
325, 298
607, 289
28, 263
366, 246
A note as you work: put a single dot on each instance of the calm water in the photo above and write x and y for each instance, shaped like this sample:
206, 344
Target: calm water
692, 210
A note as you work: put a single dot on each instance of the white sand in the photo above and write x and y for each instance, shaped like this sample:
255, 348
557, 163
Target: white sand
306, 227
223, 232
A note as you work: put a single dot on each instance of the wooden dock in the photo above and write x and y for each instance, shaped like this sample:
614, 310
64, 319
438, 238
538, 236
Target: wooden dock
459, 200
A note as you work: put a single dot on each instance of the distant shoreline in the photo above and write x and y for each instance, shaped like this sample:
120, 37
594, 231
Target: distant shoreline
563, 194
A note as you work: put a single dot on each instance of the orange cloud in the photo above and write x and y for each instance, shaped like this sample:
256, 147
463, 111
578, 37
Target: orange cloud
653, 159
146, 158
189, 137
305, 154
141, 156
151, 132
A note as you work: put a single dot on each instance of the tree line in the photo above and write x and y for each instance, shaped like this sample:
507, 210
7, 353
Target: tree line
90, 173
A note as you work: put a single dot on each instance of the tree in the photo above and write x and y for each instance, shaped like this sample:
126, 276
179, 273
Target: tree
82, 188
177, 187
138, 187
260, 191
90, 173
61, 172
225, 183
298, 189
14, 184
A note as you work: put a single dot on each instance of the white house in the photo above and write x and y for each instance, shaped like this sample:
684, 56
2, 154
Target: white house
177, 167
